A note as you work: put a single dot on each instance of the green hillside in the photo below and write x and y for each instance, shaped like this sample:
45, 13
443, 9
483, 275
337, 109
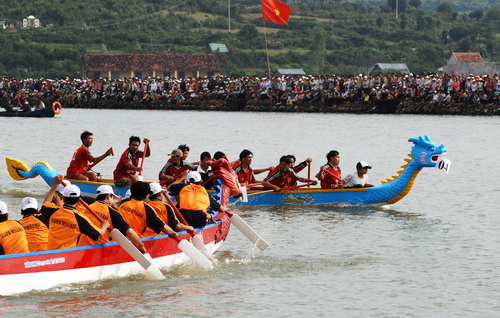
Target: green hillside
323, 37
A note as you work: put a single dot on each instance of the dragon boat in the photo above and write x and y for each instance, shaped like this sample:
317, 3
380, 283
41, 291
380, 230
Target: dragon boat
43, 112
424, 154
44, 270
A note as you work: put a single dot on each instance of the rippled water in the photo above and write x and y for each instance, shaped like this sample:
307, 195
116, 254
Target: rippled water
433, 254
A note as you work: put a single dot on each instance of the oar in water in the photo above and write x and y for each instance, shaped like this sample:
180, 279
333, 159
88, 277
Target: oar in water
282, 189
197, 239
145, 260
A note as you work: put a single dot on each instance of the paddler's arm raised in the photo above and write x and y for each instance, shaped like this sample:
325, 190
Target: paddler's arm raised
148, 149
96, 160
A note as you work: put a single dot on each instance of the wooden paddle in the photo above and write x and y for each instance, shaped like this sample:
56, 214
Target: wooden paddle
332, 174
96, 162
197, 239
144, 260
146, 145
282, 189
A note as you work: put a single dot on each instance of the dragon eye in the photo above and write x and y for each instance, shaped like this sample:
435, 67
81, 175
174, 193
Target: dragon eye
434, 158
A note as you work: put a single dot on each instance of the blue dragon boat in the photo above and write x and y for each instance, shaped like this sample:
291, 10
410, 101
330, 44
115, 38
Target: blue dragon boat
424, 154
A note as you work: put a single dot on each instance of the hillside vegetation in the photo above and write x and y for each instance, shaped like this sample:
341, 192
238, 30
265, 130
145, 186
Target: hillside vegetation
323, 37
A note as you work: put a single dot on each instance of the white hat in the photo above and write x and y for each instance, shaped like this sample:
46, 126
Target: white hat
362, 165
61, 186
193, 176
155, 188
3, 208
104, 189
71, 191
29, 203
128, 194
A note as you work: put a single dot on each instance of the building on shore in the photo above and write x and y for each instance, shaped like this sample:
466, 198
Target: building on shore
149, 65
464, 63
387, 68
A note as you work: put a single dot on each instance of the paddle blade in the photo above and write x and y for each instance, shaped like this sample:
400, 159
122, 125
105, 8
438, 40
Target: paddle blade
200, 246
195, 255
244, 195
244, 228
135, 253
153, 270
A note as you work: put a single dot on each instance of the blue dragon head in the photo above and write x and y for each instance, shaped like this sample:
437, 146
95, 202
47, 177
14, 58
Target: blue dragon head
425, 152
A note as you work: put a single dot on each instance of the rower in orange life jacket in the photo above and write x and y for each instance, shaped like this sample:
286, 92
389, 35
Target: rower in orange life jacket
66, 224
35, 225
194, 201
163, 210
12, 234
141, 216
104, 206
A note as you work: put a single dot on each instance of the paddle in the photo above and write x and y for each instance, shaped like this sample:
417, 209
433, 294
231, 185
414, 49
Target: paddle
332, 174
197, 239
309, 172
146, 145
145, 260
97, 161
282, 189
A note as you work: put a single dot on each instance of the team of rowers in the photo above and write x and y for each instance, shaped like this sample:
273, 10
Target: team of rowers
65, 221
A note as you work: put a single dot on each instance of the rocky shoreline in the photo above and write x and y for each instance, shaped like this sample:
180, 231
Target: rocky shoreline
393, 106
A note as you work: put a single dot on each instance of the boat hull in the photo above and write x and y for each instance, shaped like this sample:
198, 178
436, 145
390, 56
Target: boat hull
43, 270
44, 112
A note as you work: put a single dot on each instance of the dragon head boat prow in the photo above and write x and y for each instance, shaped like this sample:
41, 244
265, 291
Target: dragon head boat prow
425, 153
19, 170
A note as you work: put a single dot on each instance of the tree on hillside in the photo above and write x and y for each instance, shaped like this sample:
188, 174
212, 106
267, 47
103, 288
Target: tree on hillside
318, 51
444, 7
402, 5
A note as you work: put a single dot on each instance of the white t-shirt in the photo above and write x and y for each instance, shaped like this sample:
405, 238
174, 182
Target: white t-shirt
352, 180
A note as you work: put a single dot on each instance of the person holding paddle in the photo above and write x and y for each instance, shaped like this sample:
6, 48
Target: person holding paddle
330, 174
284, 177
175, 169
79, 168
125, 172
242, 168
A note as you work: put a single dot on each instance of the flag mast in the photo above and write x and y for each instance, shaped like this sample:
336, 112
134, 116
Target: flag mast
267, 52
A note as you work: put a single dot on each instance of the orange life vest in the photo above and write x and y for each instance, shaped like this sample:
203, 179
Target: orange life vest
134, 213
194, 197
161, 212
37, 233
102, 210
13, 237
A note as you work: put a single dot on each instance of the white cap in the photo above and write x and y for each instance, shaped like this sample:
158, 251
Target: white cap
29, 203
362, 165
71, 191
3, 208
128, 194
61, 186
104, 189
193, 176
155, 188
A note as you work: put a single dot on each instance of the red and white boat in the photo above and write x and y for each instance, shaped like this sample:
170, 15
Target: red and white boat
43, 270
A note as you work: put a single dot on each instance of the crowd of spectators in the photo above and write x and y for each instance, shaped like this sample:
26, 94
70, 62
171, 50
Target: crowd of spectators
279, 90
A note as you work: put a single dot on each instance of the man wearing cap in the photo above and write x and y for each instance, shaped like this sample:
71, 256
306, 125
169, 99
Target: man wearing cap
141, 216
66, 224
284, 176
104, 206
12, 234
194, 200
125, 172
163, 210
358, 179
79, 165
35, 225
175, 169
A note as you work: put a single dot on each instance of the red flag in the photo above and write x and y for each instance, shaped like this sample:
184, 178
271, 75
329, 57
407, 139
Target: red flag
276, 11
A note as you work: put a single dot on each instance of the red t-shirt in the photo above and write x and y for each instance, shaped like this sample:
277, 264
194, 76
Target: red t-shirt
283, 180
244, 176
121, 171
329, 181
80, 162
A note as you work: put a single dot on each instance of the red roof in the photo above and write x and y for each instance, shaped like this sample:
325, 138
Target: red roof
151, 62
468, 57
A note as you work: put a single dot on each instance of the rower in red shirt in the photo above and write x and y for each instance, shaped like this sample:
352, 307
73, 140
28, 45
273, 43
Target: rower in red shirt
242, 168
175, 169
125, 172
284, 176
330, 174
79, 168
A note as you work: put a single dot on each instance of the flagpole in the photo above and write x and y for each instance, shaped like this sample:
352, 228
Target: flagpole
267, 53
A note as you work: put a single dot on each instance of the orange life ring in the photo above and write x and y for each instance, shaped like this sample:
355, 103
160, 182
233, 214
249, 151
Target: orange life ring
56, 107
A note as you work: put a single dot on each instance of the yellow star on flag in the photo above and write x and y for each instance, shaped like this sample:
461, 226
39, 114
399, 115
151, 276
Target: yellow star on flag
277, 12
